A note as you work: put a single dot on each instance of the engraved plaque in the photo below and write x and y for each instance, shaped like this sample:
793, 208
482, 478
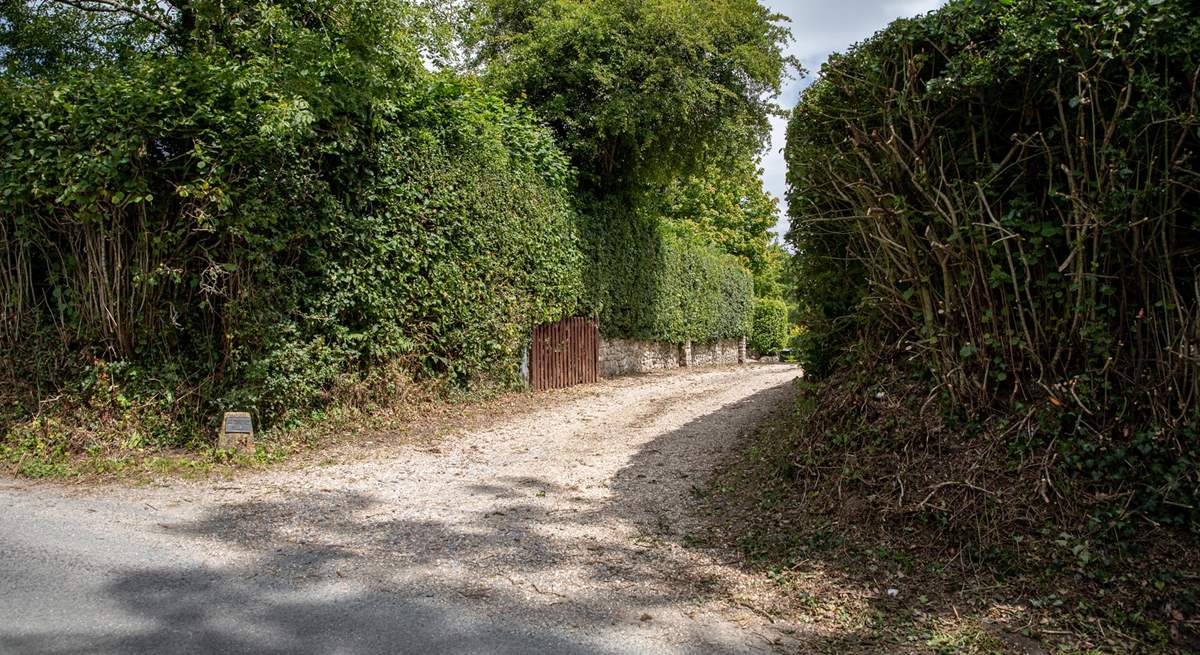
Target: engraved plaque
237, 432
238, 423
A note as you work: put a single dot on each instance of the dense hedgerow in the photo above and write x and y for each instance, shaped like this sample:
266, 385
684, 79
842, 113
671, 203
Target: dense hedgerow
1007, 196
258, 219
770, 331
651, 279
662, 106
274, 205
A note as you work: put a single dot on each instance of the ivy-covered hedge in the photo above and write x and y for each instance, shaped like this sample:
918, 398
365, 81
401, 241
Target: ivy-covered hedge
770, 331
257, 231
651, 279
702, 293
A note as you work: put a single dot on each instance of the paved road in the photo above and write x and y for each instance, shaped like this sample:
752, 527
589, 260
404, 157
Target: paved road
557, 531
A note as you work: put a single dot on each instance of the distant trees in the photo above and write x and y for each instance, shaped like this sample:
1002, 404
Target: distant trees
727, 205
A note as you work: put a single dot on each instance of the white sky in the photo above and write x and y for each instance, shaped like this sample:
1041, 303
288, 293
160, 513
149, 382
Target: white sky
821, 27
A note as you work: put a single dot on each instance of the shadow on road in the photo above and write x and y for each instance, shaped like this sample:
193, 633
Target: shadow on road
345, 572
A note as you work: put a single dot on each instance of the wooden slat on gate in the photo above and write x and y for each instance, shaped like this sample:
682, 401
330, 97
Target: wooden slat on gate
565, 353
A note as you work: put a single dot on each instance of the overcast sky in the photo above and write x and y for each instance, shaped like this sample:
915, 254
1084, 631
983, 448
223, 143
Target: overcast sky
821, 27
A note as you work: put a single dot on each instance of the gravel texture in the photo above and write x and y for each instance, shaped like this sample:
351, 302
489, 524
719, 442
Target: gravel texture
560, 530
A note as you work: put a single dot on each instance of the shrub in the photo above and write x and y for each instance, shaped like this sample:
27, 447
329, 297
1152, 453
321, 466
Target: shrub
257, 223
1007, 194
770, 332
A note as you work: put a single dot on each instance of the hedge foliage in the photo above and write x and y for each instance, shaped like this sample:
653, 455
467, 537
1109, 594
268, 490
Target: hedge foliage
271, 204
727, 206
651, 279
1007, 193
770, 331
293, 205
662, 106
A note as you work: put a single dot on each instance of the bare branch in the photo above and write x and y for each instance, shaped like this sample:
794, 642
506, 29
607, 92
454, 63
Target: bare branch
115, 7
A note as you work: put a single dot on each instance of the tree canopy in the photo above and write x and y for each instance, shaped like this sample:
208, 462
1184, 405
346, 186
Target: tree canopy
639, 91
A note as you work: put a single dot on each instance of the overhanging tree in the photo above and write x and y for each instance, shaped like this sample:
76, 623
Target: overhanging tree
639, 91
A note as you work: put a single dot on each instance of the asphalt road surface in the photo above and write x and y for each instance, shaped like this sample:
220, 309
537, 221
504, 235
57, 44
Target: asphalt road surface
559, 530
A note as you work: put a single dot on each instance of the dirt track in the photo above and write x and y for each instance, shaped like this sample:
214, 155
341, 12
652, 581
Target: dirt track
560, 530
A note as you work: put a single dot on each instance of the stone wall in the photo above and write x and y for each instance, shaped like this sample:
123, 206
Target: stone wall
628, 356
725, 352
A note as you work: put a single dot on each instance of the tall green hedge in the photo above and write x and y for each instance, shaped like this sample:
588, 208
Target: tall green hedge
650, 279
770, 332
253, 227
1007, 195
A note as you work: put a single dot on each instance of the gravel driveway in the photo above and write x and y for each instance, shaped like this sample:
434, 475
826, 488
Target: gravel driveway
562, 530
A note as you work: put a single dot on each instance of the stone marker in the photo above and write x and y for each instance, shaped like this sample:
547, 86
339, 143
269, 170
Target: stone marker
237, 432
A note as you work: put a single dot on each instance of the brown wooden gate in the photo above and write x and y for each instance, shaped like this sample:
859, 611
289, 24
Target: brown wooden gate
564, 354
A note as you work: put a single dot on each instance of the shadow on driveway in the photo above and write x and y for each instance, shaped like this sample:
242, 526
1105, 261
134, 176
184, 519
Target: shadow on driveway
340, 572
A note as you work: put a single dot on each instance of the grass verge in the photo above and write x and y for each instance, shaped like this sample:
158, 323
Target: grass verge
86, 441
875, 526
